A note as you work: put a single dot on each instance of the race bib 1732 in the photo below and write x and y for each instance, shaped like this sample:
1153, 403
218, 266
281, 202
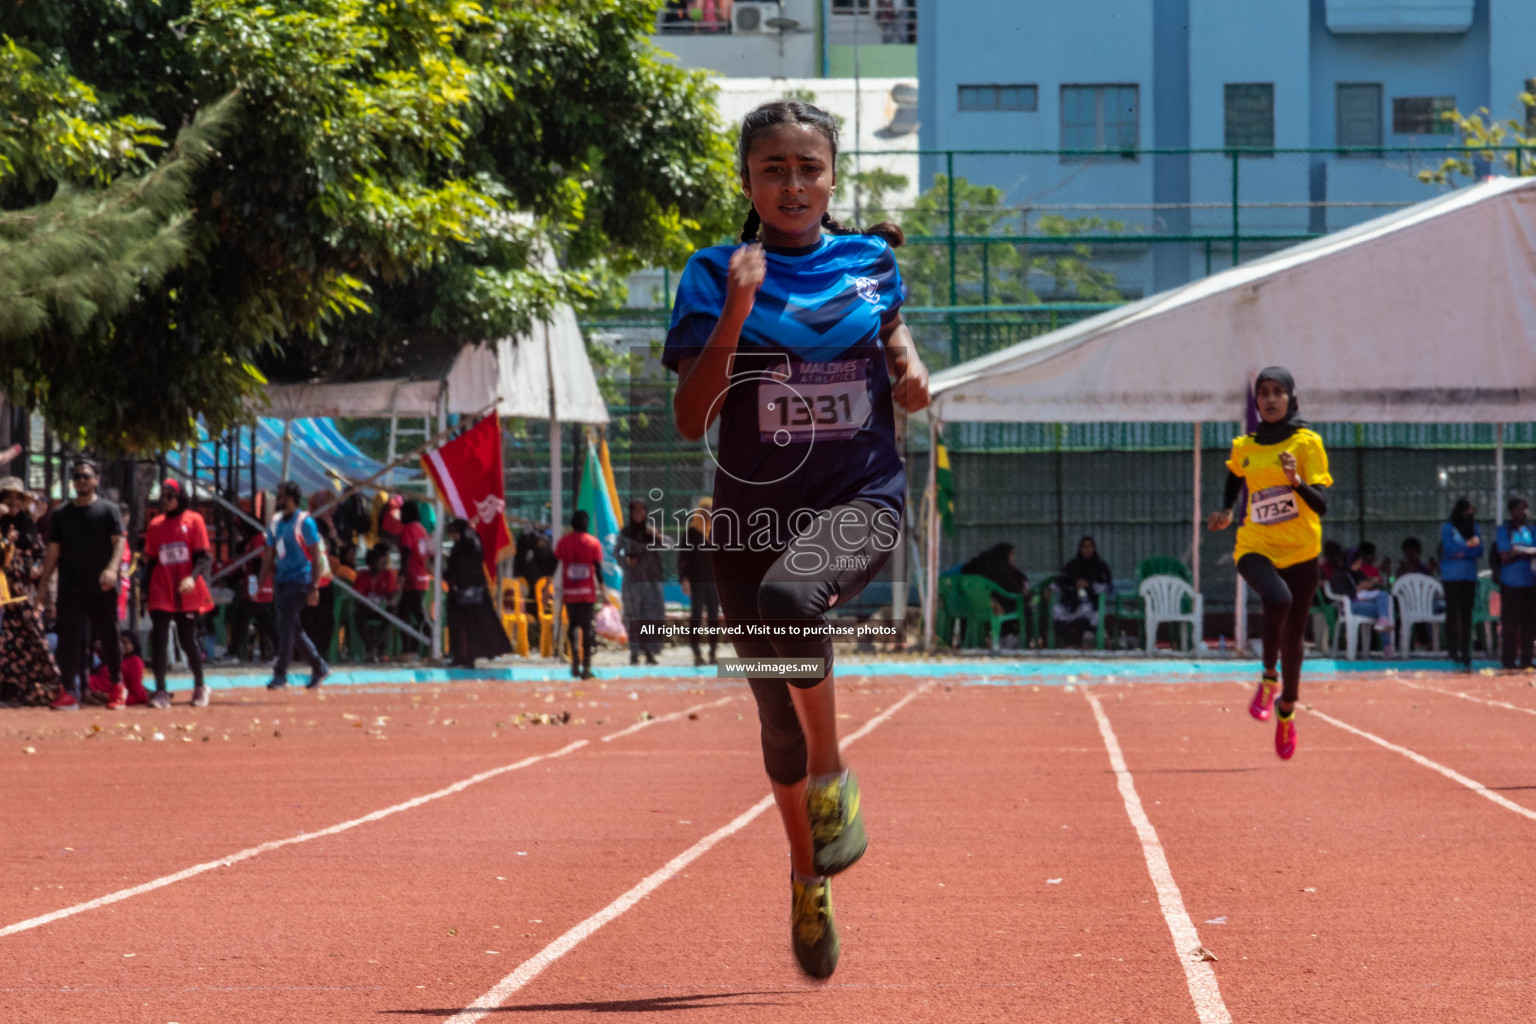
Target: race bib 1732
819, 401
1273, 505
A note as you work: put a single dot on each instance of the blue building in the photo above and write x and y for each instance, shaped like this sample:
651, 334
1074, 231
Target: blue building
1114, 78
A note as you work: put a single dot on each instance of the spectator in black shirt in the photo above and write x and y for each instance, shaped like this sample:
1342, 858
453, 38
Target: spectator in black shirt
640, 548
85, 545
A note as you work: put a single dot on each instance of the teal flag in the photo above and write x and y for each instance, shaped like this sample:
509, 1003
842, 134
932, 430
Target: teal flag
597, 503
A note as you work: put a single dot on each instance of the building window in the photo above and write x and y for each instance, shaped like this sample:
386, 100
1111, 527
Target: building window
894, 21
1421, 115
999, 97
1250, 115
1358, 114
1100, 117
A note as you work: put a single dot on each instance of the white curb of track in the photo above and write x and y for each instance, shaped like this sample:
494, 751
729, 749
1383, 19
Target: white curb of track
1199, 975
540, 961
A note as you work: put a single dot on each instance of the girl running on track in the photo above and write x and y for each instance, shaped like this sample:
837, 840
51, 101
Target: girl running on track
794, 340
1285, 469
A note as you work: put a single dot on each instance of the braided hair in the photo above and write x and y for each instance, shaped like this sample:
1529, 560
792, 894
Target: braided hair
792, 112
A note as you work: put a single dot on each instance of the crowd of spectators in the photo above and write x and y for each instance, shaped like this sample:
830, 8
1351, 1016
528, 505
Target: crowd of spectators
75, 584
1462, 556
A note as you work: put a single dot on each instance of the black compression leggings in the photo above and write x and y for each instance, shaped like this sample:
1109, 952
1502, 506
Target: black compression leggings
160, 642
781, 588
1287, 596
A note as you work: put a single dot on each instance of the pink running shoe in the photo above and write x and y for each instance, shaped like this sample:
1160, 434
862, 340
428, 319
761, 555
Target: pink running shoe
1264, 698
1285, 736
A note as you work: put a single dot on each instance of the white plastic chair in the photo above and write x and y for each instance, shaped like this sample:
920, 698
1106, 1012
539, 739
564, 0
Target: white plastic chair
1348, 622
1163, 598
1415, 595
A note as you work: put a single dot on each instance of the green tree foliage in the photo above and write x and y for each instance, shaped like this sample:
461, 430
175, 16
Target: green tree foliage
1012, 268
405, 177
80, 256
1486, 139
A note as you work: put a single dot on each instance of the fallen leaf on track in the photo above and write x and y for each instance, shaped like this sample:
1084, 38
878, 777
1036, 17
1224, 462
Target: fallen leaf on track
1202, 954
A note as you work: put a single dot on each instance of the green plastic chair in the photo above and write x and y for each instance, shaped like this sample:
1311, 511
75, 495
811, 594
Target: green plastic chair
1329, 613
1481, 616
950, 608
976, 593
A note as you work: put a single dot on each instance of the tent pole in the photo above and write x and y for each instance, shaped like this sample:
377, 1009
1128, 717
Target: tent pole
1194, 555
931, 514
1498, 471
556, 484
394, 422
437, 544
287, 446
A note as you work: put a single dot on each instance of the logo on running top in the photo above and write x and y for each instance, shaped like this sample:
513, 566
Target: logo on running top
868, 289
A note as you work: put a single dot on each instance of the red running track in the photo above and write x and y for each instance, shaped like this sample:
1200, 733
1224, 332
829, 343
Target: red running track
1005, 880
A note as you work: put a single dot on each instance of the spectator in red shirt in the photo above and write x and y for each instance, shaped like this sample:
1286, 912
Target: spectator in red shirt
178, 563
581, 585
379, 582
133, 673
253, 604
404, 525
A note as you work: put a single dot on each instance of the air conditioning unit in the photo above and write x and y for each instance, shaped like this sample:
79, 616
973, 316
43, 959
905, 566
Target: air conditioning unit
750, 18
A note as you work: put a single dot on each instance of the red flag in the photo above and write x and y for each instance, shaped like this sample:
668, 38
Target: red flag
468, 474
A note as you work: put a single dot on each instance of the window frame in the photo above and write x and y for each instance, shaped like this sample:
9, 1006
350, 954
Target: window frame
1263, 149
997, 90
1101, 150
1437, 105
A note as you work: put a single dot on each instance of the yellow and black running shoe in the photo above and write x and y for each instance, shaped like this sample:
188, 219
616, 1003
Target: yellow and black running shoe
837, 825
812, 931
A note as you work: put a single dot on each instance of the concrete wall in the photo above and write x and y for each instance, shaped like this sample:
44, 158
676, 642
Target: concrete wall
1511, 60
794, 54
1182, 53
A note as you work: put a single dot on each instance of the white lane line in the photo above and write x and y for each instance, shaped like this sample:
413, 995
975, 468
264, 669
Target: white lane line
276, 844
1199, 975
1467, 696
536, 964
667, 718
304, 837
1450, 773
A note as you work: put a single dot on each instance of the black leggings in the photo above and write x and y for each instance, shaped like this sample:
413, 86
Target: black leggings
704, 601
1287, 596
578, 616
87, 613
1460, 595
413, 612
1517, 626
823, 566
160, 642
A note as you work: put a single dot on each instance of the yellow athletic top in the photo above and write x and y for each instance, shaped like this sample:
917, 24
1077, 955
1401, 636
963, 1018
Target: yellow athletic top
1279, 525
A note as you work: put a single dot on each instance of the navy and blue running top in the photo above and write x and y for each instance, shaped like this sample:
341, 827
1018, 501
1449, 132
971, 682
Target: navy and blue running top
807, 420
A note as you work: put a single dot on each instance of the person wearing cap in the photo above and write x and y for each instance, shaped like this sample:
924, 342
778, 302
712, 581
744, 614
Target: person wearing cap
18, 530
85, 546
178, 562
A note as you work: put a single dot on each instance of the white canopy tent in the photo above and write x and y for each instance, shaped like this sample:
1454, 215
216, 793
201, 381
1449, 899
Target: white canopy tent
1426, 315
544, 375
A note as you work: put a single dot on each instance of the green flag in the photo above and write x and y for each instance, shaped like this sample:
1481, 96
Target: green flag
946, 488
